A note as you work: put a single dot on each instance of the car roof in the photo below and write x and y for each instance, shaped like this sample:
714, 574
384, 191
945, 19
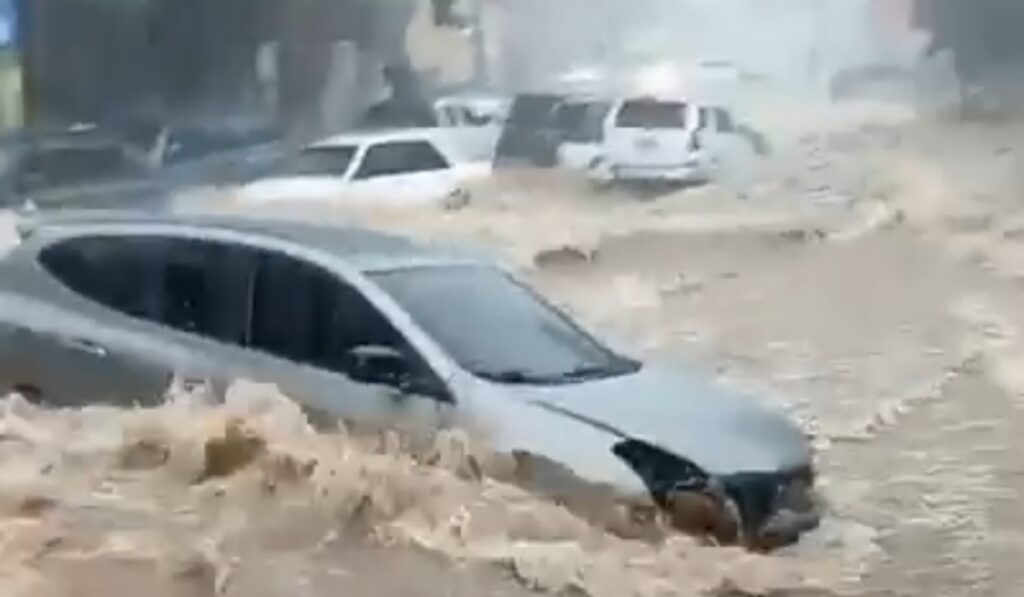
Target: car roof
658, 98
359, 247
432, 134
478, 98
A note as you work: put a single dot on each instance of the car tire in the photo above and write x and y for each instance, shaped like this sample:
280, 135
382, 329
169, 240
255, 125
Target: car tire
457, 199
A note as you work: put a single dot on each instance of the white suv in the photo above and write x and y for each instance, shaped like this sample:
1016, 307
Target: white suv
652, 139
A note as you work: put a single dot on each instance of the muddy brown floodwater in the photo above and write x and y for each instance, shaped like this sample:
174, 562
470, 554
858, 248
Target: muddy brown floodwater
868, 287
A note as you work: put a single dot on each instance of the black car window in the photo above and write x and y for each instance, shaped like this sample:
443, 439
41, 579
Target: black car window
239, 295
400, 157
190, 285
321, 161
652, 114
288, 302
114, 272
305, 314
204, 288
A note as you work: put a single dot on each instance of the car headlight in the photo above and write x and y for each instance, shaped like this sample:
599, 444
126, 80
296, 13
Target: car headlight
763, 509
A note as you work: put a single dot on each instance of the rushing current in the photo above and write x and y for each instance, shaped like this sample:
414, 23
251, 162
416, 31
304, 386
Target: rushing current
868, 283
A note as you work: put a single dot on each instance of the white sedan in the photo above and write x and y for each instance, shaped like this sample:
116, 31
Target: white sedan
399, 167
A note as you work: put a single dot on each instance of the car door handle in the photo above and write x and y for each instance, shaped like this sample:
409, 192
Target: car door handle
85, 346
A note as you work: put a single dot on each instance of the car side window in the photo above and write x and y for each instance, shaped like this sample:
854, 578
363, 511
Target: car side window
288, 298
400, 157
238, 295
114, 272
305, 314
204, 289
190, 285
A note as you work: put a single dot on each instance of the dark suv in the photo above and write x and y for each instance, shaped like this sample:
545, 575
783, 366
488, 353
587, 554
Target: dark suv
75, 167
531, 135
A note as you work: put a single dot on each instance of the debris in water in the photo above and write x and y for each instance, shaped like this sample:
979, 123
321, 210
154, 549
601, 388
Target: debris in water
449, 503
564, 256
35, 506
804, 236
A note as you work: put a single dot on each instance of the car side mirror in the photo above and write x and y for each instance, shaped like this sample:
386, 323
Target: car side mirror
383, 365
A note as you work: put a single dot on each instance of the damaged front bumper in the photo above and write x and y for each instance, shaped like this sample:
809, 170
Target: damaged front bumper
761, 510
770, 510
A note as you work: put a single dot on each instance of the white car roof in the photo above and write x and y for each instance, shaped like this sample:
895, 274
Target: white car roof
436, 136
494, 101
657, 97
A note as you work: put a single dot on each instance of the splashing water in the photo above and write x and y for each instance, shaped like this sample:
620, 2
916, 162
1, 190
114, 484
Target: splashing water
196, 491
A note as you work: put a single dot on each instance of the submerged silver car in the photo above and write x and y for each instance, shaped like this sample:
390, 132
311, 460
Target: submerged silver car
372, 328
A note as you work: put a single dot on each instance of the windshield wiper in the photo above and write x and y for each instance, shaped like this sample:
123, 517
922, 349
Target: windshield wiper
588, 372
594, 371
512, 376
580, 373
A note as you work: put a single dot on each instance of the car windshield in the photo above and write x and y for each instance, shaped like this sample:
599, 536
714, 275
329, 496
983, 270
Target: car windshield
499, 329
321, 161
652, 114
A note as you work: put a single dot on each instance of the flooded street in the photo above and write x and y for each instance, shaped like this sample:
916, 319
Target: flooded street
867, 287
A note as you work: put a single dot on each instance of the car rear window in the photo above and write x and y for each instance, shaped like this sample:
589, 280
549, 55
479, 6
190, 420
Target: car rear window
652, 114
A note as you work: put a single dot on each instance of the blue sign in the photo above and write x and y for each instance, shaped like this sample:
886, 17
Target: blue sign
8, 24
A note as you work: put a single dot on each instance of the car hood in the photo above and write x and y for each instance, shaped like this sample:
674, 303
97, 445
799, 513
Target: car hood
724, 432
